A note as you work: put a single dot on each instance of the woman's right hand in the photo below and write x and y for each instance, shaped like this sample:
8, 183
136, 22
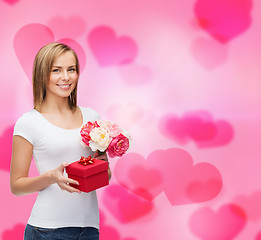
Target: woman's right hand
22, 184
62, 181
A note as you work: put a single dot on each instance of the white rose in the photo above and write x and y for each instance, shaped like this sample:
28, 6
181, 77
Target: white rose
100, 139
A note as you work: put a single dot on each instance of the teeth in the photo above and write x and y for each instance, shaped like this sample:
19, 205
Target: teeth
64, 86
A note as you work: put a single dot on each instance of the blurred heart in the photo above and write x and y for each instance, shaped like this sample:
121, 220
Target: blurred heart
170, 171
197, 126
31, 38
108, 232
250, 204
136, 174
17, 232
70, 26
125, 206
224, 19
28, 41
110, 50
226, 223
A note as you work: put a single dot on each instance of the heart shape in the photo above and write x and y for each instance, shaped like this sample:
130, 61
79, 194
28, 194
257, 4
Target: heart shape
70, 26
172, 172
225, 134
17, 232
110, 50
31, 38
27, 42
227, 223
125, 206
135, 174
198, 126
223, 19
250, 204
108, 232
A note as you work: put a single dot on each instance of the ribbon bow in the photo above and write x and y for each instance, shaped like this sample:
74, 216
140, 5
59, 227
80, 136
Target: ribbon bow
85, 161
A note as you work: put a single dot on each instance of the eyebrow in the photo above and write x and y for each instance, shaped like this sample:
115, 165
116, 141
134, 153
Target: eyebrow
61, 67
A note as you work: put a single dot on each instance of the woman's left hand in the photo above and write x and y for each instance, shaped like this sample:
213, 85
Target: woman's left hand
102, 156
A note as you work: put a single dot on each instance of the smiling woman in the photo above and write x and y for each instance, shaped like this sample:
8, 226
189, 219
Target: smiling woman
51, 132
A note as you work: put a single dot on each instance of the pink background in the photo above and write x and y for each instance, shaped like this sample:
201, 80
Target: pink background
184, 78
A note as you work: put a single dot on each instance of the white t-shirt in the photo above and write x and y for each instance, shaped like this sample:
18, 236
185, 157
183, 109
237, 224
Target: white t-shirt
52, 146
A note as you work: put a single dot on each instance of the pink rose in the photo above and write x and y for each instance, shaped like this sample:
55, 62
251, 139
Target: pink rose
112, 128
85, 131
118, 146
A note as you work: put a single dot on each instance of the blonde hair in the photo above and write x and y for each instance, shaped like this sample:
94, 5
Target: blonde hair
43, 63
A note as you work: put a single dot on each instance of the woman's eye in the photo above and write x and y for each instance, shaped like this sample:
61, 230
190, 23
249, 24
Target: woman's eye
55, 70
72, 70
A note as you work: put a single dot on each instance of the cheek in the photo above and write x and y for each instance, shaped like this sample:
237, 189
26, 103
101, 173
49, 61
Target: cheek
52, 82
52, 79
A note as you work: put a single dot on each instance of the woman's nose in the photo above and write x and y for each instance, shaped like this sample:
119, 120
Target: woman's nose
65, 75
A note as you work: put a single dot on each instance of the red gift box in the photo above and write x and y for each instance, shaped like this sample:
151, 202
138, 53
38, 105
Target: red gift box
90, 176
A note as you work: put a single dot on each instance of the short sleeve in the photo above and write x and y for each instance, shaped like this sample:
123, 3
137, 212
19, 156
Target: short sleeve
23, 128
89, 114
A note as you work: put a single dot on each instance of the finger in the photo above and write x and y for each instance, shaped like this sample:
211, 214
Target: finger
96, 154
63, 165
70, 189
104, 158
66, 180
72, 181
100, 154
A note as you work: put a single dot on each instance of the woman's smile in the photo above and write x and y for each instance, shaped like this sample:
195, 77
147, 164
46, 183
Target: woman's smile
64, 86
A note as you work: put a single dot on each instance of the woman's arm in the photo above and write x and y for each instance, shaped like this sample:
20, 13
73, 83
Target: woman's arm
21, 184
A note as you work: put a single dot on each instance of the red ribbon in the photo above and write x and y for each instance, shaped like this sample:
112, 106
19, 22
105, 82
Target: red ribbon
85, 161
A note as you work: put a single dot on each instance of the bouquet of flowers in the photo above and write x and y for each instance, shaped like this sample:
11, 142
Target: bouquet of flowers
106, 136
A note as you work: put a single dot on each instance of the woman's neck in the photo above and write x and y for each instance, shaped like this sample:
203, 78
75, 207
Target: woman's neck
61, 105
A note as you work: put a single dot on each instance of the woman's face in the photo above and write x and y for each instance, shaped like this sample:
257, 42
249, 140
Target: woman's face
63, 76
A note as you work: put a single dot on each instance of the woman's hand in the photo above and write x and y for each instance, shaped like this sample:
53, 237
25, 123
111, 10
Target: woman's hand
103, 156
62, 181
21, 183
100, 155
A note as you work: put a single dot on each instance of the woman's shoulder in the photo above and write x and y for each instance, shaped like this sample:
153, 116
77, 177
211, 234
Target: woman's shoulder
29, 115
28, 118
89, 114
27, 125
